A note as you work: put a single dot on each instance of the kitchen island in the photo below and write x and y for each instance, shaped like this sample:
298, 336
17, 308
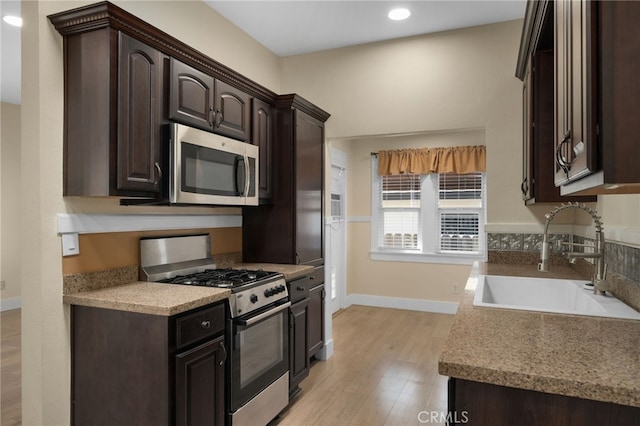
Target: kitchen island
540, 368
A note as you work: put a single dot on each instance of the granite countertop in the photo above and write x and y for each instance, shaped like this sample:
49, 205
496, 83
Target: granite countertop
290, 272
119, 289
148, 297
586, 357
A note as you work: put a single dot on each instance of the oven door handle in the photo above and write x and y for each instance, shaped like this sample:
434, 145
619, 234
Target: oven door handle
260, 317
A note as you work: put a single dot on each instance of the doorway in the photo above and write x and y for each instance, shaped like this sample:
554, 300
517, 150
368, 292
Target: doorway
337, 231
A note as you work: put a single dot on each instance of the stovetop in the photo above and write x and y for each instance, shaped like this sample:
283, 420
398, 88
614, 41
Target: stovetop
186, 260
222, 278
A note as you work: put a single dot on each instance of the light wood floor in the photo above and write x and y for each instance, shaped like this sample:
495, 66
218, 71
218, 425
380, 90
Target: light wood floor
10, 367
384, 370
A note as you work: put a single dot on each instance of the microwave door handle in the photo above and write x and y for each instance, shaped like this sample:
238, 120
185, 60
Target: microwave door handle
247, 176
240, 185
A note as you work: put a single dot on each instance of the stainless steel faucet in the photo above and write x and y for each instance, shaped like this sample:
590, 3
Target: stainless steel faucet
600, 285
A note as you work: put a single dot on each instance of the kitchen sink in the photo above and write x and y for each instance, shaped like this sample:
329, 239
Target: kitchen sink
548, 295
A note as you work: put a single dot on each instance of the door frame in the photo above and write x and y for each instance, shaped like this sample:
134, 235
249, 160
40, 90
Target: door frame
338, 159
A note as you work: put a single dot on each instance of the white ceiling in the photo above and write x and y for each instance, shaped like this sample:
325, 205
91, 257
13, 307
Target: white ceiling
302, 26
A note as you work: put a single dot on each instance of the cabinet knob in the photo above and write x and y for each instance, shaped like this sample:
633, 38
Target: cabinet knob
300, 288
205, 324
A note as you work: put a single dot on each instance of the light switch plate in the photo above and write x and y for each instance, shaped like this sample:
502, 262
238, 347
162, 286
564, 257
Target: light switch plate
70, 244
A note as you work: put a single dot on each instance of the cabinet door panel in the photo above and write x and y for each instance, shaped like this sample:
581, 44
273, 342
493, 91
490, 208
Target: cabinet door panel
576, 92
261, 135
526, 186
140, 109
191, 97
231, 111
299, 361
315, 320
309, 176
200, 385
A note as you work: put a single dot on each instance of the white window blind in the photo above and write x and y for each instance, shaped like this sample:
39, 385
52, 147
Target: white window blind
400, 205
460, 204
435, 217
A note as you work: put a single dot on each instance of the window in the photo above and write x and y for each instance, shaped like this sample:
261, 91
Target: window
435, 217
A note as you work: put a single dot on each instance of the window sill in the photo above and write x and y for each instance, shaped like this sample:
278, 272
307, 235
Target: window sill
447, 258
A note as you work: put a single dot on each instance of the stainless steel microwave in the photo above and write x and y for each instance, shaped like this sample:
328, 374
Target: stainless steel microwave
206, 168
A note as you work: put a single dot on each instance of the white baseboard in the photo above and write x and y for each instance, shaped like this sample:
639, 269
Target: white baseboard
10, 303
434, 306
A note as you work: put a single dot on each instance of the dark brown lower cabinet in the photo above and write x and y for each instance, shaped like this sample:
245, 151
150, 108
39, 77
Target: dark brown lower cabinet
130, 368
200, 384
306, 322
316, 320
475, 403
298, 359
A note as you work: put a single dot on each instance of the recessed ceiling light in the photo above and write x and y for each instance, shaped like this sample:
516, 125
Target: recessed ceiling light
399, 14
16, 21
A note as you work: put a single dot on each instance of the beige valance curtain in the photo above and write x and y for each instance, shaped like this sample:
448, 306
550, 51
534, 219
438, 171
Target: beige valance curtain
459, 159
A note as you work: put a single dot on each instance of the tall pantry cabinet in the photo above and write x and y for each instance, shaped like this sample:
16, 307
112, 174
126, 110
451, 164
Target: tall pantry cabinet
290, 228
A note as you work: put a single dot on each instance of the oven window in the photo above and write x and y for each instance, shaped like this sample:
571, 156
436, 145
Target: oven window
261, 349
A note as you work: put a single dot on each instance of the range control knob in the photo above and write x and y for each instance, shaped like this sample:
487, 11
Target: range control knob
253, 298
268, 292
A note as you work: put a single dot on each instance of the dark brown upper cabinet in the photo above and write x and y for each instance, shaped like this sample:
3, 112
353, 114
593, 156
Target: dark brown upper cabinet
232, 112
596, 92
290, 229
575, 51
191, 96
199, 100
113, 113
140, 109
262, 136
124, 79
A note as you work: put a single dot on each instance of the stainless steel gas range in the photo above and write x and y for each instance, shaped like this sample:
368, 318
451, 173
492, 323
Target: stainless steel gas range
257, 373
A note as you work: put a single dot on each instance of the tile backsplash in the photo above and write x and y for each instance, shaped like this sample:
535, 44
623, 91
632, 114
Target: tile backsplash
621, 259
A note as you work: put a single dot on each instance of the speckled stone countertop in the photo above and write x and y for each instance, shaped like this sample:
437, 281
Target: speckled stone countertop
290, 272
148, 298
119, 289
586, 357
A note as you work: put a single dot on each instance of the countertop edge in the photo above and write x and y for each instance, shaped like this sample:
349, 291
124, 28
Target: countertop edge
167, 301
493, 373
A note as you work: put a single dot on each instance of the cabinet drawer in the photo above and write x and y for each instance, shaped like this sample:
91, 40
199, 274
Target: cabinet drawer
199, 325
317, 277
298, 289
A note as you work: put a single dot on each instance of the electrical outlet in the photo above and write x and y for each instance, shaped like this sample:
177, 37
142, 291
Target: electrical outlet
3, 284
456, 288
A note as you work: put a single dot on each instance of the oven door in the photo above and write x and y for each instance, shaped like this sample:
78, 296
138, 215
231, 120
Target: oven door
259, 352
211, 169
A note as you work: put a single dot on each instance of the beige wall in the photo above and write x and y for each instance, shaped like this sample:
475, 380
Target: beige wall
420, 91
621, 218
410, 280
45, 319
10, 201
